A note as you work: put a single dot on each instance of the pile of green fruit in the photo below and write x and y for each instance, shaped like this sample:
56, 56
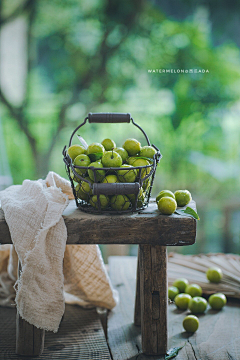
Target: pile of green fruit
189, 297
106, 163
167, 201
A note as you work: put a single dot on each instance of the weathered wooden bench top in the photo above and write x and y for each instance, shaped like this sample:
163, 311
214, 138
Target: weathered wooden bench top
146, 227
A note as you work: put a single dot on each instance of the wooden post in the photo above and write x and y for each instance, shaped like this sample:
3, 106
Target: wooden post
137, 309
153, 291
29, 339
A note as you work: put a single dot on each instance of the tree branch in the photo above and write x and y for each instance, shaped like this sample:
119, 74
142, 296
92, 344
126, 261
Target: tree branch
24, 6
17, 114
30, 50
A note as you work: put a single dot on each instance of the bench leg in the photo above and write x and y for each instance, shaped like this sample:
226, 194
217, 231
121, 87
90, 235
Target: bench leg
29, 339
153, 293
137, 309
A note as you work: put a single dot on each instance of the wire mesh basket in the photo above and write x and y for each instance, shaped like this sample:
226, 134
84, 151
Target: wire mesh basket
100, 189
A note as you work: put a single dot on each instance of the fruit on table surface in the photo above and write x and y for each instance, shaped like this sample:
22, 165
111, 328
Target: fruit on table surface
182, 300
122, 152
128, 174
197, 305
193, 290
214, 274
81, 160
167, 205
100, 174
75, 150
108, 144
111, 159
172, 292
104, 201
95, 148
148, 151
181, 284
191, 323
217, 301
164, 193
132, 146
183, 197
120, 202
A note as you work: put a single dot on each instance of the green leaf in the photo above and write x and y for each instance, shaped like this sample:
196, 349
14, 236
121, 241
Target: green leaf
173, 352
95, 156
191, 212
188, 212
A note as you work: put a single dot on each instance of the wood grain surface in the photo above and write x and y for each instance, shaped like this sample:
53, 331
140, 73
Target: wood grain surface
80, 337
217, 338
153, 295
146, 227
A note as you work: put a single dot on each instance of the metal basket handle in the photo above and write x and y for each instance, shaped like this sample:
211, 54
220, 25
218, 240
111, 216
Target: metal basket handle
109, 118
114, 118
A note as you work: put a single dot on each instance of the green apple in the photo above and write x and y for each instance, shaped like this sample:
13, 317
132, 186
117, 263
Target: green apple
104, 201
100, 174
122, 152
197, 305
164, 193
140, 199
132, 146
74, 177
85, 186
182, 301
81, 160
131, 160
142, 162
109, 179
120, 202
217, 301
108, 144
75, 150
214, 274
95, 148
80, 193
111, 159
181, 284
147, 151
172, 292
127, 175
183, 197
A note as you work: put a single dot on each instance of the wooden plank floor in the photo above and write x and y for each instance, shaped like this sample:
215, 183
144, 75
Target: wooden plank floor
80, 337
218, 336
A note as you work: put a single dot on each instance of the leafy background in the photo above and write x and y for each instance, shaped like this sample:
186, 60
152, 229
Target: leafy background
94, 55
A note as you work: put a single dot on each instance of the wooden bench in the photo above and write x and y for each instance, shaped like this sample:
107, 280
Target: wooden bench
153, 232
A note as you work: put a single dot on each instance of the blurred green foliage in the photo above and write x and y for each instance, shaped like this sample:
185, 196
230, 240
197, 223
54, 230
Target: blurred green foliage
95, 55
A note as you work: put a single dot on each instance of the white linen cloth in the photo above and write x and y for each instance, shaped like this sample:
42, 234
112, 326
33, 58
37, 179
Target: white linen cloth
33, 212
